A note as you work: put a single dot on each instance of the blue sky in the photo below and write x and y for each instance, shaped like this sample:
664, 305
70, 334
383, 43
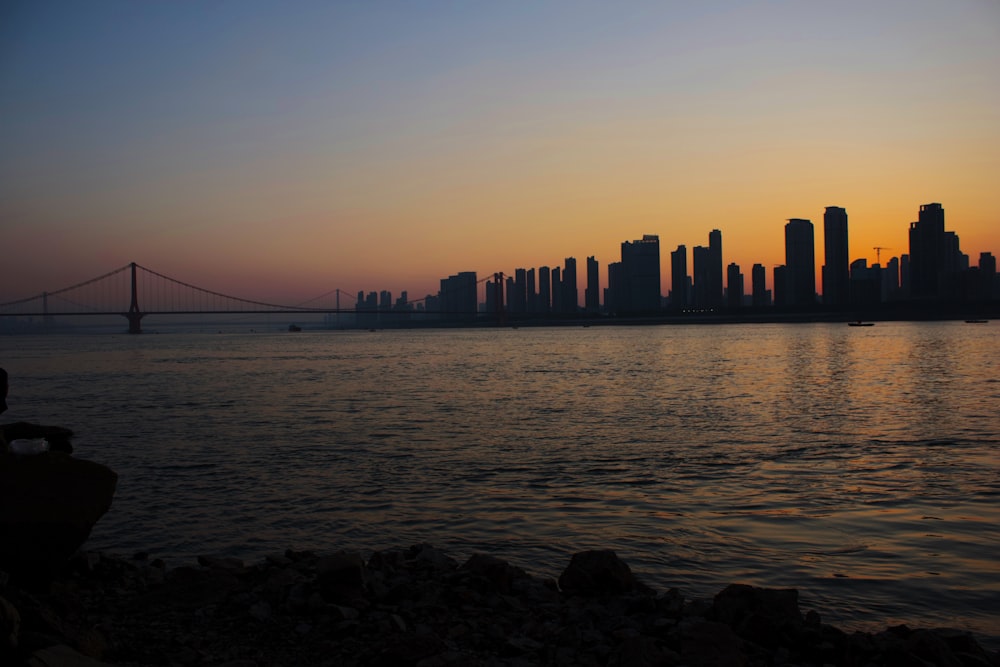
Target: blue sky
387, 144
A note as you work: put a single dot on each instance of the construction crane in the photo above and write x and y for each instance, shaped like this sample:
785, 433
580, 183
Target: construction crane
878, 253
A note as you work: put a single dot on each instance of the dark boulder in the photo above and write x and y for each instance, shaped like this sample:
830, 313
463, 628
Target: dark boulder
767, 616
49, 503
599, 572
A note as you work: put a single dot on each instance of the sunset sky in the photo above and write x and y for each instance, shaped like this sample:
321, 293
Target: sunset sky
279, 150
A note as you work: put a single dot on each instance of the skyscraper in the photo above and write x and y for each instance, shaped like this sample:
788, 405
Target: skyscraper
758, 278
459, 296
641, 273
734, 286
592, 297
570, 300
679, 297
715, 268
557, 290
926, 248
702, 269
836, 262
800, 263
544, 289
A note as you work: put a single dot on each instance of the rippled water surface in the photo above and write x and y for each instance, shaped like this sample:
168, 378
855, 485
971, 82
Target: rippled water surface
858, 465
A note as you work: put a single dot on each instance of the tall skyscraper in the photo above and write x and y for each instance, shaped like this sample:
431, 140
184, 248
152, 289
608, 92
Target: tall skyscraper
592, 295
531, 291
758, 277
734, 286
679, 297
800, 263
702, 269
544, 289
988, 275
557, 290
836, 262
780, 282
641, 273
459, 296
613, 294
715, 268
517, 295
570, 299
927, 244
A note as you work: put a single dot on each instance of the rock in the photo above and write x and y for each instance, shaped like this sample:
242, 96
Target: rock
711, 644
274, 614
766, 616
61, 656
49, 503
598, 573
10, 626
342, 576
496, 574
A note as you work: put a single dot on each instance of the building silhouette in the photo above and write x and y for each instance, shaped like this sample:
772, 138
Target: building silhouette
927, 251
715, 268
570, 301
836, 261
638, 289
532, 293
458, 295
592, 295
680, 297
734, 286
800, 263
934, 270
758, 279
544, 289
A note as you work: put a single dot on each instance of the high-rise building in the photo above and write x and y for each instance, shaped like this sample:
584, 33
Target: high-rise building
570, 300
800, 260
836, 262
532, 294
702, 269
592, 295
517, 294
758, 277
641, 274
988, 275
780, 283
679, 297
613, 294
458, 295
890, 280
544, 289
927, 248
734, 286
557, 290
715, 268
866, 283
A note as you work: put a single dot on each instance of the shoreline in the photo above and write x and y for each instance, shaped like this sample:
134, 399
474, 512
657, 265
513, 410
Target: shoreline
420, 606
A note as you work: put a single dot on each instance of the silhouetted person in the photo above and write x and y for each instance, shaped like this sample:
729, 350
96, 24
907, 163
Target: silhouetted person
3, 391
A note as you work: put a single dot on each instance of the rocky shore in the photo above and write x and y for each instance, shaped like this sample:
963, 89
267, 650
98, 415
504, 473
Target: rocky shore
420, 607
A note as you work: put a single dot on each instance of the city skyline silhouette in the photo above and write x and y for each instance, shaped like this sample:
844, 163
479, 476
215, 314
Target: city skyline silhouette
283, 153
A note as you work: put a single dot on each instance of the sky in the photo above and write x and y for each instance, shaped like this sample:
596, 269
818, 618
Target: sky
277, 151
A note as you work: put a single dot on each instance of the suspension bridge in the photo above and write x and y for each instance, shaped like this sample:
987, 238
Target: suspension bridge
135, 292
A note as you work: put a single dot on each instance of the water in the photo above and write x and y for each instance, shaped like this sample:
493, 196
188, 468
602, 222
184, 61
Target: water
858, 465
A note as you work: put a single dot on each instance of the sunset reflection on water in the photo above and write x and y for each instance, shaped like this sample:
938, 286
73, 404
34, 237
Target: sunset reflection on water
857, 465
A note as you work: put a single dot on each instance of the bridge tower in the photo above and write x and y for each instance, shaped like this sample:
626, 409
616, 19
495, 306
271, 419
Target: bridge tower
134, 316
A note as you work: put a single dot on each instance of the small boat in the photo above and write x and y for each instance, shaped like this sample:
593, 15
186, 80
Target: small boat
976, 321
294, 327
859, 323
